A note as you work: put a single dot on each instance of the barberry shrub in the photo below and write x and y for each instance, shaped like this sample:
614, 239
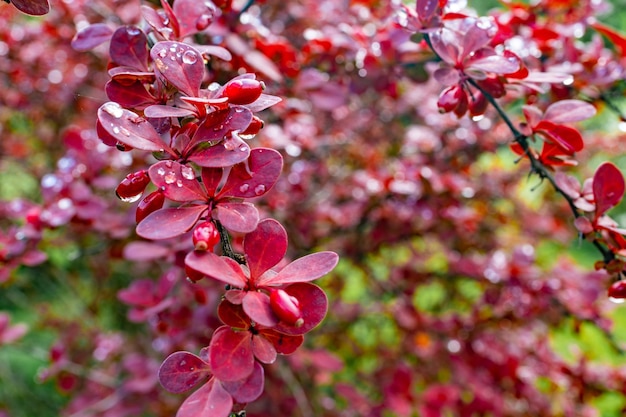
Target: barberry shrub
206, 161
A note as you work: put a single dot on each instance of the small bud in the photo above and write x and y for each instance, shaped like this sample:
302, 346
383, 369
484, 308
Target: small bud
133, 185
151, 203
286, 307
450, 98
205, 236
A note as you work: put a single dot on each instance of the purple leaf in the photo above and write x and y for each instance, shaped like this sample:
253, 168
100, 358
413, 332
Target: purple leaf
130, 129
608, 187
230, 354
267, 100
211, 178
132, 95
248, 389
180, 64
129, 48
177, 181
313, 304
224, 154
256, 304
216, 267
496, 63
181, 371
169, 222
261, 173
265, 247
91, 36
193, 15
566, 111
263, 349
159, 110
237, 217
219, 124
210, 400
303, 269
32, 7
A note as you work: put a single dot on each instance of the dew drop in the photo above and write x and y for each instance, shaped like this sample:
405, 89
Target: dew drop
259, 189
116, 130
170, 177
230, 145
172, 58
246, 137
183, 363
179, 183
161, 171
243, 148
244, 188
124, 131
190, 57
188, 173
169, 164
617, 300
239, 109
130, 199
162, 53
172, 49
113, 109
218, 128
133, 30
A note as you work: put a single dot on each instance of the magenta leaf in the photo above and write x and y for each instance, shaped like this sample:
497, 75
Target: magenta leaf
91, 36
608, 187
181, 371
263, 102
283, 343
218, 124
248, 389
567, 138
215, 50
303, 269
193, 16
132, 95
159, 110
496, 63
211, 178
265, 247
210, 400
180, 64
263, 349
169, 222
565, 111
129, 48
177, 181
230, 354
313, 304
232, 314
142, 251
237, 217
129, 129
216, 267
223, 154
32, 7
257, 177
256, 305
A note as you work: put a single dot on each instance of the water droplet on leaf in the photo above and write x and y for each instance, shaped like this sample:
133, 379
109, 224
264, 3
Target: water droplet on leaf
113, 109
259, 189
188, 172
161, 171
190, 57
170, 177
244, 188
179, 183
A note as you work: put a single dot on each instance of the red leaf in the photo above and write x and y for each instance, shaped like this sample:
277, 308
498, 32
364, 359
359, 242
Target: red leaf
177, 181
211, 178
216, 267
132, 95
158, 110
608, 187
237, 217
257, 306
130, 129
313, 304
223, 154
256, 177
263, 349
264, 102
265, 246
283, 343
91, 36
567, 138
617, 38
233, 315
230, 354
219, 124
181, 371
180, 64
210, 400
303, 269
193, 16
566, 111
129, 48
248, 389
32, 7
169, 222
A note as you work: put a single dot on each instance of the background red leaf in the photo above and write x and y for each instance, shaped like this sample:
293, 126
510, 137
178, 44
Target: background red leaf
608, 187
91, 36
181, 371
265, 246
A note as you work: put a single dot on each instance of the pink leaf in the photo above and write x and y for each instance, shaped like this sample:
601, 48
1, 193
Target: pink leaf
263, 102
232, 314
284, 344
583, 225
566, 111
211, 178
237, 217
169, 222
180, 64
219, 124
532, 114
608, 187
215, 50
476, 38
193, 16
210, 400
230, 354
141, 251
303, 269
91, 36
568, 183
129, 129
216, 267
177, 181
129, 95
496, 63
313, 304
159, 110
265, 247
181, 371
263, 349
129, 48
248, 389
256, 177
257, 306
223, 154
426, 9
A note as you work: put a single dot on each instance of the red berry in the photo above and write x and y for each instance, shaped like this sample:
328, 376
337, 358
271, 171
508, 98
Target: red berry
493, 86
193, 275
286, 307
243, 91
618, 289
205, 236
477, 104
253, 128
131, 187
450, 98
151, 203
